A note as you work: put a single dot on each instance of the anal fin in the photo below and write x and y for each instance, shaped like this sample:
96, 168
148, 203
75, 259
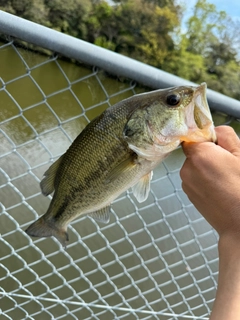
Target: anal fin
101, 215
142, 188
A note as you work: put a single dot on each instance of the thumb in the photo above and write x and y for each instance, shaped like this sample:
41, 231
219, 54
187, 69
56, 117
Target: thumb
228, 139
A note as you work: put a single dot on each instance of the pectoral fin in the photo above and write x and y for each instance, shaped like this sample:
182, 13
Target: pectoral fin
47, 183
154, 151
101, 215
123, 168
142, 188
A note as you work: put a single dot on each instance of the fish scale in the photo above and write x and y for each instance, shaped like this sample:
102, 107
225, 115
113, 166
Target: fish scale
118, 150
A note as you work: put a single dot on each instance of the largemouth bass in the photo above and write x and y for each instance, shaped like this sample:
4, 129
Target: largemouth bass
118, 150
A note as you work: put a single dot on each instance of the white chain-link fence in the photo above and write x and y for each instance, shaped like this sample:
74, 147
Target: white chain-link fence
155, 260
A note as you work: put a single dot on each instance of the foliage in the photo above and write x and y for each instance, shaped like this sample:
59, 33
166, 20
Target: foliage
150, 31
207, 51
34, 10
68, 16
137, 28
211, 34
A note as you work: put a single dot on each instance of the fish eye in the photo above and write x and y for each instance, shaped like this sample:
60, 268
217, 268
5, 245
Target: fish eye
173, 99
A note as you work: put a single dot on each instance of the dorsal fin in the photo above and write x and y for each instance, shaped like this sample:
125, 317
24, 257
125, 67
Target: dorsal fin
47, 183
101, 215
142, 188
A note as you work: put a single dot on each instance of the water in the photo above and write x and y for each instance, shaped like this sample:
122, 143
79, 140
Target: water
160, 254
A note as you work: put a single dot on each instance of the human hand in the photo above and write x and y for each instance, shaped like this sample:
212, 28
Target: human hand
211, 179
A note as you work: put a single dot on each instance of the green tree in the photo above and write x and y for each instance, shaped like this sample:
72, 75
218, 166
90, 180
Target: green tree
207, 51
69, 16
33, 10
184, 63
6, 5
204, 26
140, 29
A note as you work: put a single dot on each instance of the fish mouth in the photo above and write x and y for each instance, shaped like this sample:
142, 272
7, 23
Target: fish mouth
198, 118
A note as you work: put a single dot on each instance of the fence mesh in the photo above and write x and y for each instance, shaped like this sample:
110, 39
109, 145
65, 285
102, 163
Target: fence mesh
155, 260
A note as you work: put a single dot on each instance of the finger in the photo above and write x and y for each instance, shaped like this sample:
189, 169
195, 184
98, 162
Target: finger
188, 173
184, 173
227, 139
195, 148
188, 148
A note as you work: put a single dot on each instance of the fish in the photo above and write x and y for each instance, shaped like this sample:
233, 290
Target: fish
118, 150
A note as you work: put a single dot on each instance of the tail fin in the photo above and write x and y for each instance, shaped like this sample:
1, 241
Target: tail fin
43, 228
